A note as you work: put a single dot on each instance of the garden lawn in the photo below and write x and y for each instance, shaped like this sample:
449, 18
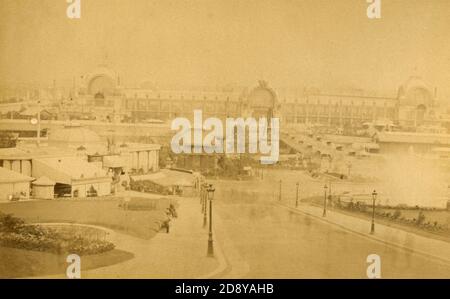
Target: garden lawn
107, 213
25, 263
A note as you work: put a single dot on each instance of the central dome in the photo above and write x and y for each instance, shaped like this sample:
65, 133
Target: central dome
262, 97
101, 80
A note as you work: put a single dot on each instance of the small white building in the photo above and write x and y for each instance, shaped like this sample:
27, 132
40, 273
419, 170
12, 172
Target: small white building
43, 188
73, 176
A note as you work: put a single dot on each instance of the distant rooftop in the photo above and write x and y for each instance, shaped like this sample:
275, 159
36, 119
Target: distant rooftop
411, 137
28, 152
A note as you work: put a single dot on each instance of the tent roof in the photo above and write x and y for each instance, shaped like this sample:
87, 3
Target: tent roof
66, 169
44, 181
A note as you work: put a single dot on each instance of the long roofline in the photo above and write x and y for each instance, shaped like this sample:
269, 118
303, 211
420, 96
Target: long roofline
353, 96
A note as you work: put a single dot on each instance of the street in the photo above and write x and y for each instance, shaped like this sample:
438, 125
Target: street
275, 242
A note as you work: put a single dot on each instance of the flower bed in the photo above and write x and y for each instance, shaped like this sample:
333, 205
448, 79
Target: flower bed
429, 219
15, 233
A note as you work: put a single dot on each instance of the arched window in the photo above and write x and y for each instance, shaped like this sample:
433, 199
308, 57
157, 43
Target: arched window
99, 95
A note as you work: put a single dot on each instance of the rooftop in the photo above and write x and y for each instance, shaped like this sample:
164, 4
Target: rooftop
66, 169
8, 176
29, 152
411, 137
74, 134
44, 181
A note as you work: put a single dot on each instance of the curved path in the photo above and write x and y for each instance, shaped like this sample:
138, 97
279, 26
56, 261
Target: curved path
179, 254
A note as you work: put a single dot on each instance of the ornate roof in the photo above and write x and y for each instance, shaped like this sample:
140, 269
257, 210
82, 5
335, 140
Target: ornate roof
413, 82
102, 71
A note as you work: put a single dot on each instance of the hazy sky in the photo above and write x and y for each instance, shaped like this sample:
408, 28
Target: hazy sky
323, 43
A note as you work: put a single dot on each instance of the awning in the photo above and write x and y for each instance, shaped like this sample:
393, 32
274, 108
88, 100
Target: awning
114, 161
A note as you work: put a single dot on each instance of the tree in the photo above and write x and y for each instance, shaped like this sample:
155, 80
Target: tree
7, 140
397, 214
420, 218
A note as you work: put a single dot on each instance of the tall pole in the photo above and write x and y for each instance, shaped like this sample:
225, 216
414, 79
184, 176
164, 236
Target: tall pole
372, 227
296, 197
201, 196
330, 196
205, 206
210, 236
39, 124
325, 202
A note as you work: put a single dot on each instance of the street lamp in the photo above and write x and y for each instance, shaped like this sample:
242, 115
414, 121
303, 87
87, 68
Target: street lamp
325, 201
204, 194
201, 196
210, 238
296, 197
205, 203
374, 198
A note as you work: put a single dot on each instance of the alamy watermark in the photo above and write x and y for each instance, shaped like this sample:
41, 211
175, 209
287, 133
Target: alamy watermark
374, 268
219, 141
374, 9
74, 9
74, 269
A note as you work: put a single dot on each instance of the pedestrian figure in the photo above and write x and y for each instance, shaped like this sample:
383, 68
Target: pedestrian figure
166, 225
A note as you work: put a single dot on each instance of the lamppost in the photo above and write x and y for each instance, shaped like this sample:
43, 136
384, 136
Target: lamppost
325, 201
201, 196
37, 122
205, 203
329, 191
296, 197
374, 198
210, 238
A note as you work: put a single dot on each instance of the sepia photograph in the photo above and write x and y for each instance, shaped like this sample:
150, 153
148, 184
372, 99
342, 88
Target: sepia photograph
224, 139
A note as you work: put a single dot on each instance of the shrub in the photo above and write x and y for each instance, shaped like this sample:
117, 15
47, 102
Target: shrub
397, 214
420, 218
15, 233
8, 223
148, 187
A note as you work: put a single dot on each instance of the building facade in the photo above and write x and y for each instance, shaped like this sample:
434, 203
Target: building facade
102, 96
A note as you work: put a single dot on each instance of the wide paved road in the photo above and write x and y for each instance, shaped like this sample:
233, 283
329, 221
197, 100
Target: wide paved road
274, 242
